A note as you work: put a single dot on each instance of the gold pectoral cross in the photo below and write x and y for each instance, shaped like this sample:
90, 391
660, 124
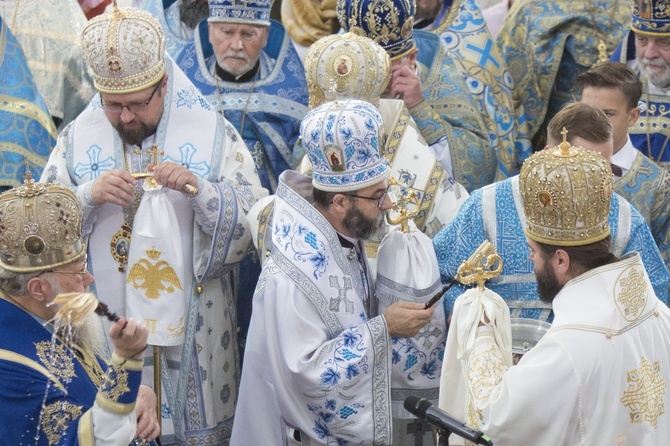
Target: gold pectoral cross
154, 153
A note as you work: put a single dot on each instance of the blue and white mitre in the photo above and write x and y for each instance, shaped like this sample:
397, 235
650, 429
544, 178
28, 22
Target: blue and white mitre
250, 12
651, 17
389, 23
343, 140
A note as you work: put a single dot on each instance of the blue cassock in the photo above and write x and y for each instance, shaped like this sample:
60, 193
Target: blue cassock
501, 203
270, 107
27, 132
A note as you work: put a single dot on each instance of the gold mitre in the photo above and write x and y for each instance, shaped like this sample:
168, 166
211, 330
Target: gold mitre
346, 66
126, 50
40, 227
566, 194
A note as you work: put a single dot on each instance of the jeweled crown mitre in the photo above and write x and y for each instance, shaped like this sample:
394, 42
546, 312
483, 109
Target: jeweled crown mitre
346, 66
40, 227
126, 50
651, 17
566, 193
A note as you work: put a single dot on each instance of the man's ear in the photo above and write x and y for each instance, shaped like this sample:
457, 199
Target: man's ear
561, 263
38, 289
633, 116
340, 204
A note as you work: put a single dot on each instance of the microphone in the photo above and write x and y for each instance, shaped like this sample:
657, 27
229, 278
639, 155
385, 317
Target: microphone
424, 409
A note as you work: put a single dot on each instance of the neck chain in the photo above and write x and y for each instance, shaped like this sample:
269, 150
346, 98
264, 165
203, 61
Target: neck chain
246, 104
601, 46
647, 114
120, 244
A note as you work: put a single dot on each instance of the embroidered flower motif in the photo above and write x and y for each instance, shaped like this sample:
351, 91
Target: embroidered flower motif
330, 377
166, 412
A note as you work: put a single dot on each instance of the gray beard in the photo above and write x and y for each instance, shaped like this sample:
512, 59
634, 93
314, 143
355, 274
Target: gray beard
91, 334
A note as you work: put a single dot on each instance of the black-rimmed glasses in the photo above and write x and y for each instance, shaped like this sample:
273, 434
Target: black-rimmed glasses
133, 108
379, 200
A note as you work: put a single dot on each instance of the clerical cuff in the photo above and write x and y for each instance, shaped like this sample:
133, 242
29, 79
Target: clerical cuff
85, 429
428, 121
120, 385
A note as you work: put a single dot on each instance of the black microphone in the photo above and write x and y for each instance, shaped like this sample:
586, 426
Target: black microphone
424, 409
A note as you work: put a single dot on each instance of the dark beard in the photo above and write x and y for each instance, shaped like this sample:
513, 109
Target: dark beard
134, 137
192, 12
359, 226
547, 285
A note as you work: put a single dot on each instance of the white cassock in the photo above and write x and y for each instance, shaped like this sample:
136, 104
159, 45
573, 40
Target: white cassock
599, 376
201, 366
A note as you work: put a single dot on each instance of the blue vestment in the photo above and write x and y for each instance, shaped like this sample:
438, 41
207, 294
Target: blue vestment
646, 186
461, 24
47, 388
449, 110
271, 107
548, 44
501, 204
27, 132
651, 132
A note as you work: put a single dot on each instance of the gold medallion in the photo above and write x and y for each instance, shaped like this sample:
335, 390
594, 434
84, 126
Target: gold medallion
120, 246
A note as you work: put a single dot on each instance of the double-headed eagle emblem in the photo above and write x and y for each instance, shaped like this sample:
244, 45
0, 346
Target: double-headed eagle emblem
155, 278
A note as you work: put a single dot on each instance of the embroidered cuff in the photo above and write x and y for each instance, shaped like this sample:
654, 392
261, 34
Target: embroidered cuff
429, 122
85, 430
120, 385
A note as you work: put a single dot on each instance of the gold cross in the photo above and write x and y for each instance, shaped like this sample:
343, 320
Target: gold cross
155, 153
564, 132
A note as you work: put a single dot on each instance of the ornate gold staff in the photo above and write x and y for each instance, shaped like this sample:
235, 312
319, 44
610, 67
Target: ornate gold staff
400, 207
483, 264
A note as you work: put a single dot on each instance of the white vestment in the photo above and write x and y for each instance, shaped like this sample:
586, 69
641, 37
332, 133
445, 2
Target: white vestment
598, 377
318, 357
199, 377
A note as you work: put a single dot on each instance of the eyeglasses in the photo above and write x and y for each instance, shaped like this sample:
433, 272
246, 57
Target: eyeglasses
133, 108
83, 272
379, 200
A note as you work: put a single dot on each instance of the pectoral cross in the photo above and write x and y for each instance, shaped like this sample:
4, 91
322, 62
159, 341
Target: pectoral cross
154, 153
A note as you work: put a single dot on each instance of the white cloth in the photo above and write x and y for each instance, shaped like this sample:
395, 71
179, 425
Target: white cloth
625, 157
407, 271
469, 310
214, 236
599, 376
157, 270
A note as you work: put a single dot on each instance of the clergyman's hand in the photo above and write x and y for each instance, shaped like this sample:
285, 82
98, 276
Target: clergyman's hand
114, 186
406, 84
129, 337
173, 175
405, 319
148, 427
